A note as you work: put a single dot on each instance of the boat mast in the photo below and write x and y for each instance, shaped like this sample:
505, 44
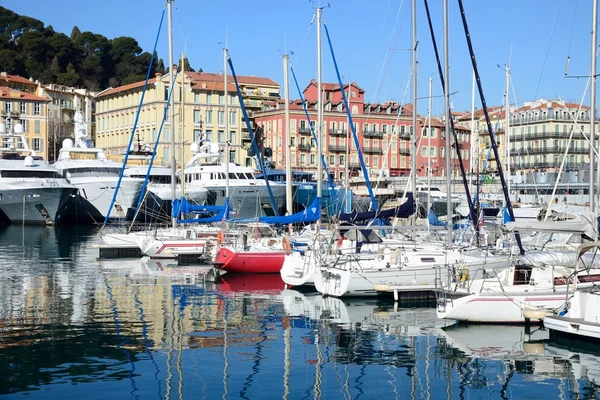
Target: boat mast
320, 114
474, 142
288, 144
347, 168
414, 110
447, 125
182, 118
593, 200
171, 104
428, 150
506, 130
226, 122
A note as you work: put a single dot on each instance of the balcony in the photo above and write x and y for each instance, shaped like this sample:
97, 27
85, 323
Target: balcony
303, 130
304, 147
372, 150
338, 132
354, 165
549, 150
336, 148
372, 134
405, 135
404, 152
246, 137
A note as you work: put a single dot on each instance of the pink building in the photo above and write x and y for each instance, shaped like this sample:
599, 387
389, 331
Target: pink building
383, 130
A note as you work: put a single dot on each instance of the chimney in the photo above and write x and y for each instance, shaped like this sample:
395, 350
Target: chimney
158, 75
4, 74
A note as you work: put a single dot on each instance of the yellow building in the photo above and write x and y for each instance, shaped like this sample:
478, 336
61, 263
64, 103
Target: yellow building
199, 113
20, 101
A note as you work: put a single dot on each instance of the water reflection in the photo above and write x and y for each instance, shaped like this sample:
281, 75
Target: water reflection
142, 328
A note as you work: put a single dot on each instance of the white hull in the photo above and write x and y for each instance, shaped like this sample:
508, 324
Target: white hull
194, 193
97, 194
368, 278
34, 204
582, 318
298, 270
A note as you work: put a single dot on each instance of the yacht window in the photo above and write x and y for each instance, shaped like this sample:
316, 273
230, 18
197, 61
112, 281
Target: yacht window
428, 259
29, 174
232, 175
250, 176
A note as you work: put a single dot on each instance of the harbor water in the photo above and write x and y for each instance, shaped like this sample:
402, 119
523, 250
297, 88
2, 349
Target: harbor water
74, 327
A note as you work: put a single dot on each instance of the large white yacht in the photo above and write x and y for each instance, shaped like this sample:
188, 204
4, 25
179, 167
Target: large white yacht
248, 195
96, 177
31, 190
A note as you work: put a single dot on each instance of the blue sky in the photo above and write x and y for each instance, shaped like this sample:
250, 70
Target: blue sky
536, 36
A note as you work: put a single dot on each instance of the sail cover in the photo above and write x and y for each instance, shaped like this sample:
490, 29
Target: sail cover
402, 211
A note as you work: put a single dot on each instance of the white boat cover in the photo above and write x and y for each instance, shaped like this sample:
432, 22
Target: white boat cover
559, 259
582, 224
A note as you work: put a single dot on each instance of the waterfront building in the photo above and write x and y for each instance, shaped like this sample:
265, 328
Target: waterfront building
432, 148
384, 132
21, 101
199, 114
65, 101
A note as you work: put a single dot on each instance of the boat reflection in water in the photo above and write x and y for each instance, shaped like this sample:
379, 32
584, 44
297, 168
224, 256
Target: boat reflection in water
74, 326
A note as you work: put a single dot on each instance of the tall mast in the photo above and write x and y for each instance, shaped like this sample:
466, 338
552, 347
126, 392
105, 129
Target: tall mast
413, 160
447, 124
593, 200
288, 134
347, 169
320, 111
182, 113
474, 142
428, 149
226, 122
171, 105
506, 130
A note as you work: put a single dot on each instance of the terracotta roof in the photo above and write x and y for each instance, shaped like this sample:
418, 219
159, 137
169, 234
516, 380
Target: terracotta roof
210, 77
6, 93
332, 87
124, 88
15, 78
214, 86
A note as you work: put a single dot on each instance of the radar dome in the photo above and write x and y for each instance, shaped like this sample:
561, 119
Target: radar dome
194, 147
28, 161
18, 129
67, 144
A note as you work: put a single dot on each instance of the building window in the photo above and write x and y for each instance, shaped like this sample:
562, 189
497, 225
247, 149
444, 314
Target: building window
166, 93
208, 135
208, 98
443, 152
23, 122
23, 108
165, 135
331, 160
166, 154
312, 159
342, 160
232, 156
196, 97
302, 159
197, 135
232, 118
375, 161
221, 136
8, 107
36, 126
232, 137
292, 141
196, 117
220, 99
209, 117
424, 151
221, 117
37, 144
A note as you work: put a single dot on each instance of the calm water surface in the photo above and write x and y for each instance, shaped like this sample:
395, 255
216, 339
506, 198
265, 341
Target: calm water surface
75, 327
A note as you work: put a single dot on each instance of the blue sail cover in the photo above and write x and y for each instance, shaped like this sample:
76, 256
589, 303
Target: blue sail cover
311, 213
435, 221
184, 207
402, 211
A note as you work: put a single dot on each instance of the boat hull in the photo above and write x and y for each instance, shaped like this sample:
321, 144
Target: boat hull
257, 262
36, 205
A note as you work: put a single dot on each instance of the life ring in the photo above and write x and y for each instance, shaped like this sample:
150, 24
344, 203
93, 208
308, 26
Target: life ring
220, 237
285, 243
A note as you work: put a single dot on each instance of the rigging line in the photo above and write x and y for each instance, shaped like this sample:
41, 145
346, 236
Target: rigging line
308, 30
389, 52
572, 28
547, 49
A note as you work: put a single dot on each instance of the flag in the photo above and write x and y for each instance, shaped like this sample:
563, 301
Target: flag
480, 220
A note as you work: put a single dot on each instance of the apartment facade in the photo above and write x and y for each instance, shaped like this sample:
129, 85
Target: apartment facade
21, 102
431, 148
64, 102
199, 114
383, 131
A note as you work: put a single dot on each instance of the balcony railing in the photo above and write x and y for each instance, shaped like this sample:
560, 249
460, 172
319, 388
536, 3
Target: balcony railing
372, 134
404, 152
373, 150
337, 132
405, 135
549, 150
354, 165
304, 131
336, 148
304, 147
